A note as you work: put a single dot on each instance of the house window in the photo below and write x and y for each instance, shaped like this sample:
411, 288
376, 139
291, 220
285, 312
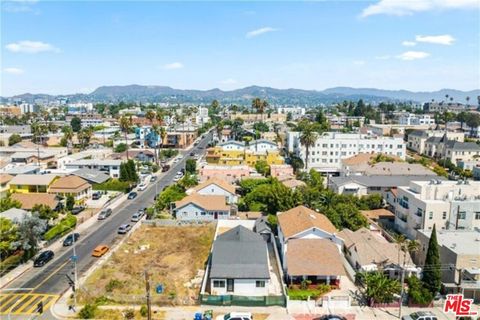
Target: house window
462, 215
430, 215
477, 215
218, 284
260, 284
444, 215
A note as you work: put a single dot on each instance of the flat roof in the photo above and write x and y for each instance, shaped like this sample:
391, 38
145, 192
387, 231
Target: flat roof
459, 241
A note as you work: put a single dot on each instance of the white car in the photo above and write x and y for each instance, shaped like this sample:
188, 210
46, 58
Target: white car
178, 176
236, 316
137, 216
142, 187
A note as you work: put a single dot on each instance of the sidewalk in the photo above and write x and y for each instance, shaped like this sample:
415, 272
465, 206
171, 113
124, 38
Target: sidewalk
57, 245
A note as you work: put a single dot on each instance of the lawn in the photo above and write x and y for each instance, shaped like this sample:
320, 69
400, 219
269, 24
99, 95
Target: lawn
173, 256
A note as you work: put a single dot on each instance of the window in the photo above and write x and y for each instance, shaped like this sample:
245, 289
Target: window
477, 215
218, 284
444, 215
260, 284
462, 215
419, 212
430, 215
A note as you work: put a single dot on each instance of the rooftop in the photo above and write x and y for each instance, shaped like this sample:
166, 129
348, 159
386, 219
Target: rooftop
380, 180
33, 179
29, 200
460, 241
219, 182
92, 175
69, 184
204, 202
302, 218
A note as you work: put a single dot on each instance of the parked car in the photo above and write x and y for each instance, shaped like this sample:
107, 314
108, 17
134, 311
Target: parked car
165, 168
142, 187
331, 317
70, 239
178, 176
137, 216
43, 258
100, 250
96, 195
124, 228
77, 210
132, 195
235, 316
192, 154
153, 178
104, 214
420, 315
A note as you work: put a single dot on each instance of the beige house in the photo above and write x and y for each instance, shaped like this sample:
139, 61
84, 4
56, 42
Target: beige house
417, 138
74, 186
4, 180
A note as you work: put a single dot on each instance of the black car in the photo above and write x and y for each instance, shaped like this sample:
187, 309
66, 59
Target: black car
96, 196
132, 195
77, 210
70, 239
43, 258
192, 154
331, 317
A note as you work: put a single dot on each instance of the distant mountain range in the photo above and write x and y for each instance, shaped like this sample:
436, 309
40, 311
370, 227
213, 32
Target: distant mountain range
140, 93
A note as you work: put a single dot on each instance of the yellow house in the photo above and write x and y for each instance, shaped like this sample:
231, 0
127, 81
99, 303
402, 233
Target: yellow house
32, 183
220, 156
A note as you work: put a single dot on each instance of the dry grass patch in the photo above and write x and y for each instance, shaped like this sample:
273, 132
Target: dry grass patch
173, 256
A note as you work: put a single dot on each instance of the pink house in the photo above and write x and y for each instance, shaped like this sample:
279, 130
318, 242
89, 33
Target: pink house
277, 170
227, 173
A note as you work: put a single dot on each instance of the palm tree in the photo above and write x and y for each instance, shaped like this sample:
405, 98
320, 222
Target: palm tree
125, 125
467, 99
308, 137
163, 135
150, 115
68, 135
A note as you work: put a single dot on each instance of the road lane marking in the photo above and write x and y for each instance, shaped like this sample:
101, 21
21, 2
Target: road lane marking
15, 304
49, 303
9, 299
33, 307
25, 303
54, 272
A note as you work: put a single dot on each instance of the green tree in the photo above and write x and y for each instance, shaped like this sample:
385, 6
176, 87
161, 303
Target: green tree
30, 230
88, 311
13, 139
70, 202
262, 167
431, 270
191, 166
417, 292
125, 126
261, 127
169, 195
44, 212
8, 235
296, 163
308, 137
380, 288
8, 203
121, 147
76, 124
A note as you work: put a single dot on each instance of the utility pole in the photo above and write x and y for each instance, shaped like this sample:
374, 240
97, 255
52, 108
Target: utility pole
75, 275
147, 289
401, 283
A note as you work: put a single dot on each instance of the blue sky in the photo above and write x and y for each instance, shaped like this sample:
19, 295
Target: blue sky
67, 47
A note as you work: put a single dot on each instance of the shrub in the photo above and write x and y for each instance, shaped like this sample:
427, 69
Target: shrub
113, 284
88, 311
417, 292
112, 185
121, 147
143, 311
129, 314
64, 226
295, 293
10, 263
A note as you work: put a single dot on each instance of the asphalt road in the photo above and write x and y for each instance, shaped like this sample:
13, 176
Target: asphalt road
52, 278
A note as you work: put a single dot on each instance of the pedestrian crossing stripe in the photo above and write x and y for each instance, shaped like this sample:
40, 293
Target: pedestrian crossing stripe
25, 303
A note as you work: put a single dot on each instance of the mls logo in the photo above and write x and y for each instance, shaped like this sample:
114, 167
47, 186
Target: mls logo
456, 304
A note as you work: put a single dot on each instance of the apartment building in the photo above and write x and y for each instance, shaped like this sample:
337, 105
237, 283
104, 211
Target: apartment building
330, 148
416, 140
450, 205
112, 167
414, 119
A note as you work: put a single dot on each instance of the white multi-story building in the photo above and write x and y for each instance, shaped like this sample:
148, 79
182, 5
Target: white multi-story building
450, 205
296, 112
201, 116
416, 140
112, 167
331, 147
411, 119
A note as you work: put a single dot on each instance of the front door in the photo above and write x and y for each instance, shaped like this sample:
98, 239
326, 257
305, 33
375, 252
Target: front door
230, 285
215, 215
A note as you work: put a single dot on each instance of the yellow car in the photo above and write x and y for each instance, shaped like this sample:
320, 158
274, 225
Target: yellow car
100, 250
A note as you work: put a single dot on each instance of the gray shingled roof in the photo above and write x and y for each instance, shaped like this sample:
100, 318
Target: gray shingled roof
419, 133
240, 254
91, 175
460, 146
261, 225
381, 181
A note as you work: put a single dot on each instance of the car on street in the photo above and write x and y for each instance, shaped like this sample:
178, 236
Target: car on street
153, 178
165, 168
104, 214
178, 176
71, 239
96, 196
420, 315
132, 195
137, 216
124, 228
142, 187
77, 210
100, 250
192, 154
43, 258
331, 317
235, 316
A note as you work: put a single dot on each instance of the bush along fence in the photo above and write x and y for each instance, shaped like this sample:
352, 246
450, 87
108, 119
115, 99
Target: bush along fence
62, 228
248, 301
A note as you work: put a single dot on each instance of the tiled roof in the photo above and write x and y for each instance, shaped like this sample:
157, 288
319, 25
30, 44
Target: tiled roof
5, 177
29, 200
302, 218
209, 203
68, 184
33, 179
219, 182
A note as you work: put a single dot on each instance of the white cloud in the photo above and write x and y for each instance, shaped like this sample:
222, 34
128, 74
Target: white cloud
28, 46
359, 62
413, 55
15, 71
409, 43
444, 39
408, 7
173, 66
385, 57
17, 6
229, 81
255, 33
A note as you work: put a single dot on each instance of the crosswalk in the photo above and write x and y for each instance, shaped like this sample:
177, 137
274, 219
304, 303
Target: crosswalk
25, 303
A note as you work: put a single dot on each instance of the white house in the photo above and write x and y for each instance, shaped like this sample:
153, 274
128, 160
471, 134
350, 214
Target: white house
216, 187
201, 208
112, 167
239, 264
260, 145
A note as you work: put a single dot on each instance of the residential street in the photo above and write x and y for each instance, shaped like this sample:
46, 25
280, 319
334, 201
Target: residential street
45, 284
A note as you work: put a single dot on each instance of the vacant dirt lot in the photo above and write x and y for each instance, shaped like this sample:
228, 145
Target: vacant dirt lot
173, 256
